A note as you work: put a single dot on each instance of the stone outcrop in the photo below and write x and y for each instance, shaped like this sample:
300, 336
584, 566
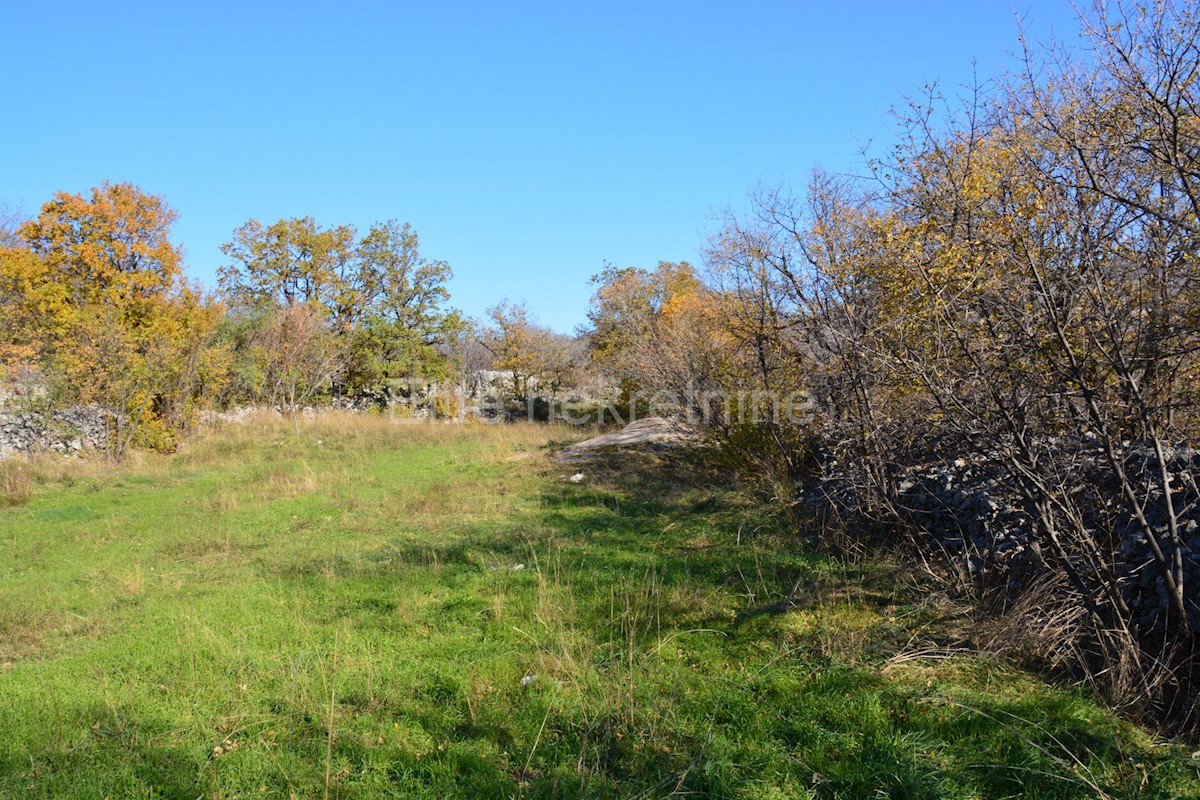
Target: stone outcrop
652, 431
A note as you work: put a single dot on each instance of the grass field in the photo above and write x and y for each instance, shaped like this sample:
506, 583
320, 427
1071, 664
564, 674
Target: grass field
353, 608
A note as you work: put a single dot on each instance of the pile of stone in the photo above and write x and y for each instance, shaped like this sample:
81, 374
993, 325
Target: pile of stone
68, 431
969, 510
975, 513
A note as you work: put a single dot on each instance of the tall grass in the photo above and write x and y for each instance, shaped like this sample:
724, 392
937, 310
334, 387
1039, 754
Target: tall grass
16, 482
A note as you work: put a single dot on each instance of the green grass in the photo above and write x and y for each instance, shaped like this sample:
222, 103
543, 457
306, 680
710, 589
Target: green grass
360, 609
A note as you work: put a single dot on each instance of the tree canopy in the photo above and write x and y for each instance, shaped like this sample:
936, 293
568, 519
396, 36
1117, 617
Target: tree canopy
94, 291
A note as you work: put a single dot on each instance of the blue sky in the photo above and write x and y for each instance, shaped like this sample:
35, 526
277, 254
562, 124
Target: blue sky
528, 143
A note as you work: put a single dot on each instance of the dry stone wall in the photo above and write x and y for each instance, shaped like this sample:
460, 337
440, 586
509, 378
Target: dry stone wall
70, 430
975, 512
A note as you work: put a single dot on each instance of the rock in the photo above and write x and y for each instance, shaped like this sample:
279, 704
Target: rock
975, 508
67, 431
652, 431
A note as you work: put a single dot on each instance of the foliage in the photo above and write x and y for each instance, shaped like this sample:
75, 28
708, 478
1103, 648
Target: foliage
25, 323
404, 324
539, 359
291, 262
95, 293
1015, 287
299, 357
380, 300
662, 335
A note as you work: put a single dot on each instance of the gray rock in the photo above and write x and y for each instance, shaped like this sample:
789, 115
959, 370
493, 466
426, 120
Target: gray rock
69, 430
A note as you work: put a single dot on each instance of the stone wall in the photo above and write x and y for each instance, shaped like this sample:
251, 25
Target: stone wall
975, 512
68, 431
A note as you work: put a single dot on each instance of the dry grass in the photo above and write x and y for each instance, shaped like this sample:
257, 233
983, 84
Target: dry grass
1043, 624
365, 433
16, 482
1047, 627
21, 475
134, 583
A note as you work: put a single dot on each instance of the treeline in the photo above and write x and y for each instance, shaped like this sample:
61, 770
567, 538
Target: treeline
95, 306
1015, 289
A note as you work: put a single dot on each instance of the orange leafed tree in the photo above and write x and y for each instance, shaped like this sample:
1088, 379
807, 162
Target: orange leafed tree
659, 331
94, 292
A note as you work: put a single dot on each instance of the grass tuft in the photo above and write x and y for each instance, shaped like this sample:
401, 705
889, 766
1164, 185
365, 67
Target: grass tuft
16, 482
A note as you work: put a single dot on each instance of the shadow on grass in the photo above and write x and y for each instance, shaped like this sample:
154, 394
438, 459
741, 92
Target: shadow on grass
721, 657
649, 631
756, 711
121, 754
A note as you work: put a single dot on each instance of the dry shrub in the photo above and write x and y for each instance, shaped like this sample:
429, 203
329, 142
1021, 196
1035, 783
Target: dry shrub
448, 406
1045, 624
1048, 626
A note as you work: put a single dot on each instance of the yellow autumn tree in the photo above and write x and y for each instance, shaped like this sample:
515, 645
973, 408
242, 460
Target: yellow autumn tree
94, 292
537, 357
663, 336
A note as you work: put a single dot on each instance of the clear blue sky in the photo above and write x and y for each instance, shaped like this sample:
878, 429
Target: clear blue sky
527, 143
